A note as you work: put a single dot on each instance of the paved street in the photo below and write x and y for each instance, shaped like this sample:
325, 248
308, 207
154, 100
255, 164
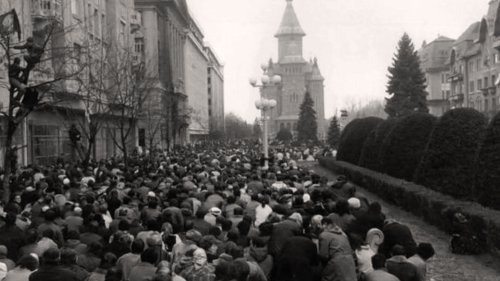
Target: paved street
444, 266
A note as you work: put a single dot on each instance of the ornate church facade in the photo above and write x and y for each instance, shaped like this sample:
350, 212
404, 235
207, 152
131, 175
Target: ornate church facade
298, 76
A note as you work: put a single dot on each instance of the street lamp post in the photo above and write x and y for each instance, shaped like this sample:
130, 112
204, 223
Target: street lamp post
264, 105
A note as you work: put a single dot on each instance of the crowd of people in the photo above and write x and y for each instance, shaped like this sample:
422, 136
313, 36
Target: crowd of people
200, 213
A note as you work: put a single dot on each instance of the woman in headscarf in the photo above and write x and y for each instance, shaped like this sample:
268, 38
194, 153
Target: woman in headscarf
200, 270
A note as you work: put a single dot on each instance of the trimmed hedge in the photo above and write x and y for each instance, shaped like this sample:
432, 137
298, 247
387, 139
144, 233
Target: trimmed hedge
487, 185
370, 154
353, 137
404, 146
452, 148
436, 208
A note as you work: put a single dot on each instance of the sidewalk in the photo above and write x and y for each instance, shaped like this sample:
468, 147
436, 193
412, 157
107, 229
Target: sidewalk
444, 266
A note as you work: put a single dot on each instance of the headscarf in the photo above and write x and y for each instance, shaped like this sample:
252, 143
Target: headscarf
199, 258
296, 217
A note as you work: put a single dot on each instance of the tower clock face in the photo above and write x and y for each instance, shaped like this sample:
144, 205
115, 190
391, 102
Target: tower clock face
293, 48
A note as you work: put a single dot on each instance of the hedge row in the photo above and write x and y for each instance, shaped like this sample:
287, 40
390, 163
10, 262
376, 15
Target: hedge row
448, 163
353, 137
405, 145
487, 181
449, 155
436, 208
370, 154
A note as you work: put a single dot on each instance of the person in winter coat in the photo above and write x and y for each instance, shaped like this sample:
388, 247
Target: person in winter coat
379, 272
248, 271
25, 266
297, 261
262, 211
200, 270
258, 253
396, 233
425, 251
51, 270
292, 226
372, 218
336, 253
399, 265
68, 262
11, 236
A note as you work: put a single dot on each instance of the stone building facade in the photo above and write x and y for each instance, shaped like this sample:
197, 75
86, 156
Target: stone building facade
195, 83
215, 90
433, 62
150, 31
474, 64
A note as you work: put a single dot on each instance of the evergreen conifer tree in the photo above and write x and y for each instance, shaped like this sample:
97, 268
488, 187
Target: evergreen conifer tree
307, 126
406, 86
334, 133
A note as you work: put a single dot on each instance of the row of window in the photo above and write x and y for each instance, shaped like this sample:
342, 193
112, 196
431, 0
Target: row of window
480, 85
480, 62
93, 18
486, 104
293, 69
477, 64
294, 98
445, 94
288, 125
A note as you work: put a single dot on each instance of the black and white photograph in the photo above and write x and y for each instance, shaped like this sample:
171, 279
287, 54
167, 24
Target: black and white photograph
249, 140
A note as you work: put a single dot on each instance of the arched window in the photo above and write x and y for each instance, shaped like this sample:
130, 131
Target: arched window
496, 30
452, 56
483, 30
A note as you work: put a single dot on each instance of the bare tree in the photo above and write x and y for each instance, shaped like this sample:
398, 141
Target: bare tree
177, 117
131, 84
37, 68
153, 117
237, 128
93, 87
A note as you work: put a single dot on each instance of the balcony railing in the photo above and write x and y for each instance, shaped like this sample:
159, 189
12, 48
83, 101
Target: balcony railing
44, 9
456, 76
457, 97
489, 90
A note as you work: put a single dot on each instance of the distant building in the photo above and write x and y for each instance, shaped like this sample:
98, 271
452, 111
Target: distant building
475, 64
160, 34
433, 58
160, 44
298, 76
84, 25
215, 90
195, 82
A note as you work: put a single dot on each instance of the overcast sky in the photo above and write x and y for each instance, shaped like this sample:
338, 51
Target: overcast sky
354, 40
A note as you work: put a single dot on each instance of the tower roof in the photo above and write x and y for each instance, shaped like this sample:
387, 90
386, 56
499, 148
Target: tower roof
290, 23
316, 74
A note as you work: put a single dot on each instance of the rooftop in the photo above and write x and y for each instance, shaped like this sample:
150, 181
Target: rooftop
290, 23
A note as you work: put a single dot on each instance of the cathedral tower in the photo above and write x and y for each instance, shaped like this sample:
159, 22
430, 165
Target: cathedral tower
290, 35
297, 76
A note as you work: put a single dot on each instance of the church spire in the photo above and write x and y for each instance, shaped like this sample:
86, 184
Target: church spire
290, 23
